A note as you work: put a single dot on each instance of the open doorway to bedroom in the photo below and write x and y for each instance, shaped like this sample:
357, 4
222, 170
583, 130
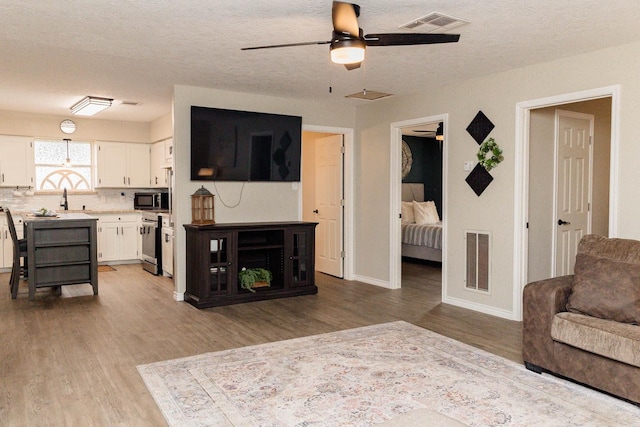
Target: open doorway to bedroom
418, 197
421, 211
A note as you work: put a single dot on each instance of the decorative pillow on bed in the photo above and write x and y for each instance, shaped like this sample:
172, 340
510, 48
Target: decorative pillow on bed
606, 289
408, 216
425, 212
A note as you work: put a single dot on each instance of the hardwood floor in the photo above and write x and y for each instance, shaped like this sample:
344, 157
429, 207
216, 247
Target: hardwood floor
71, 359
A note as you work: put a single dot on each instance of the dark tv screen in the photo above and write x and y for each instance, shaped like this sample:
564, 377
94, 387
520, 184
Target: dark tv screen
230, 145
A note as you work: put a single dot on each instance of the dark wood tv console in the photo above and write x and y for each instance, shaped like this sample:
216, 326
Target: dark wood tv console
216, 252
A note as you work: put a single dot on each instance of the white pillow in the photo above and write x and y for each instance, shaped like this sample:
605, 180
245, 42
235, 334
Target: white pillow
408, 216
425, 212
431, 206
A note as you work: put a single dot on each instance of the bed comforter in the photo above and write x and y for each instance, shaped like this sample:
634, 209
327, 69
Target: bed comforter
429, 235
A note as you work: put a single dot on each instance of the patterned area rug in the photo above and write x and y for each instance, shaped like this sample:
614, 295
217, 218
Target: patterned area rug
384, 373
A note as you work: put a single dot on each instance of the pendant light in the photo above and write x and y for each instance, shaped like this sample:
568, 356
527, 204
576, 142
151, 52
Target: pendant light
67, 162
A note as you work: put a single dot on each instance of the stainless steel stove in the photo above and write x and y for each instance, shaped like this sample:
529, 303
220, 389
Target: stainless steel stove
151, 231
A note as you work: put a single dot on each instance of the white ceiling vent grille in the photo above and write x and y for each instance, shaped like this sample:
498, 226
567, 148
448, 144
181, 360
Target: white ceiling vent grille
435, 22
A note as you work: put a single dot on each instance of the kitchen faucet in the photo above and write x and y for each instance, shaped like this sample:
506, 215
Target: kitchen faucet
64, 201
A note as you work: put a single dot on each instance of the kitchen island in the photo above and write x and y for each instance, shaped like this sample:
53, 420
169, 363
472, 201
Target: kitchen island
61, 250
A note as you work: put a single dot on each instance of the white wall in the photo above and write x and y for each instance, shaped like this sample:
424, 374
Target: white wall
260, 201
496, 95
87, 129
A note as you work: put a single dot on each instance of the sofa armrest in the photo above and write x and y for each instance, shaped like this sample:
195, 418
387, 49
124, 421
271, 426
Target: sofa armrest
541, 301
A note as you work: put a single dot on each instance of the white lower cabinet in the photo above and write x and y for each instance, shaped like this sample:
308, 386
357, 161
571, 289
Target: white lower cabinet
167, 251
118, 237
6, 244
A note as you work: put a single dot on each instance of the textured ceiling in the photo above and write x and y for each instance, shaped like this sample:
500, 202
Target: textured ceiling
53, 53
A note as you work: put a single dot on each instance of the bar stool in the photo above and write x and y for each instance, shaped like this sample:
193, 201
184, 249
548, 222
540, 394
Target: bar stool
19, 252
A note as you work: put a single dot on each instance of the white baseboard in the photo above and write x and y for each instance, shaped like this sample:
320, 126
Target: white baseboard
178, 296
505, 314
372, 281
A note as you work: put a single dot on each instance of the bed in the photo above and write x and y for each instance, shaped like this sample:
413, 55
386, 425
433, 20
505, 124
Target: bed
420, 241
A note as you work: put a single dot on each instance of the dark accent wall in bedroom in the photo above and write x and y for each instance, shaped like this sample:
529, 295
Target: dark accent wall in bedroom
426, 167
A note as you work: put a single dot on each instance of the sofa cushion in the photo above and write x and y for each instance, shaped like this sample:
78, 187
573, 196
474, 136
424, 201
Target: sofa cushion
615, 340
606, 289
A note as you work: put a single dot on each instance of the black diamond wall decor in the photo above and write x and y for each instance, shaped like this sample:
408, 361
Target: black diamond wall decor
480, 127
479, 179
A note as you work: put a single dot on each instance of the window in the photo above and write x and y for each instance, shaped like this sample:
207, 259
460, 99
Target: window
63, 164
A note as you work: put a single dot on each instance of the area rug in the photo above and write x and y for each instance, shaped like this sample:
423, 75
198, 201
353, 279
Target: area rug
383, 374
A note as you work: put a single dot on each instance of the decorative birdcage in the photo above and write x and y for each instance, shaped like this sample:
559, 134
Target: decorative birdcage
202, 207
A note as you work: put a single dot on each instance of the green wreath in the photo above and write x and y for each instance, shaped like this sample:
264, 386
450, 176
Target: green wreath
490, 146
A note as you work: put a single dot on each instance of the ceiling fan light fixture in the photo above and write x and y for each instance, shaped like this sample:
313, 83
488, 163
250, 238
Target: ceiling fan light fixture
347, 51
90, 105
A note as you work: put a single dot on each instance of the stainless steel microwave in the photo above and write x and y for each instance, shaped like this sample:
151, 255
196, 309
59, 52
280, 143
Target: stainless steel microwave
158, 200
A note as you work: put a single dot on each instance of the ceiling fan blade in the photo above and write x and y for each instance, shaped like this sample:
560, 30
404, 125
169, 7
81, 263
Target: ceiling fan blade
353, 66
286, 45
345, 18
407, 39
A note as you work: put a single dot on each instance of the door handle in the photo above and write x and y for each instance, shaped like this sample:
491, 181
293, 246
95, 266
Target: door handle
561, 222
316, 211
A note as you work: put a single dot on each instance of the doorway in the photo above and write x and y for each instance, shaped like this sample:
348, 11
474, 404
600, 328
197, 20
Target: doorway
395, 233
557, 220
533, 235
325, 197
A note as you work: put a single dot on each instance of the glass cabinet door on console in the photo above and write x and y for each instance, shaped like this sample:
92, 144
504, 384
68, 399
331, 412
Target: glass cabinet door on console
301, 260
220, 264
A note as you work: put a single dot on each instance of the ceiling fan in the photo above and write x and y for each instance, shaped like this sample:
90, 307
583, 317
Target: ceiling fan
348, 45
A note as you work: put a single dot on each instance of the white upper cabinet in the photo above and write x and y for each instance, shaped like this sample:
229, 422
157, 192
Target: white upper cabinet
123, 164
17, 168
168, 147
158, 165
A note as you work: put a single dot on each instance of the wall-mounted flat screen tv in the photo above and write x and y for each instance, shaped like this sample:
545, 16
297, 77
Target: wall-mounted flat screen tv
230, 145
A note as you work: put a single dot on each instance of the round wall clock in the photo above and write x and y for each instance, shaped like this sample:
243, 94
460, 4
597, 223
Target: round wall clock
407, 159
67, 126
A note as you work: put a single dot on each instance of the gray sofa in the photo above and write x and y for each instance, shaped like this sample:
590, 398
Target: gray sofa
585, 327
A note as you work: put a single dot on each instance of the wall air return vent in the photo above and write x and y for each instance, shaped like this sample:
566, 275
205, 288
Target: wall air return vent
478, 250
435, 22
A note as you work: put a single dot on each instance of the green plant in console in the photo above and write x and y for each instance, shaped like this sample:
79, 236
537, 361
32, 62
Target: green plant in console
249, 276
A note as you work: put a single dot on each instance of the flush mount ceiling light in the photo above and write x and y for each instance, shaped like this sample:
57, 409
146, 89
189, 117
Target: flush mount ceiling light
91, 105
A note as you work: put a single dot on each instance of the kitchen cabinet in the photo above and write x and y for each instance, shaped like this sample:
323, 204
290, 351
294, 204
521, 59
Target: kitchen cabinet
118, 237
216, 252
168, 147
123, 164
6, 245
17, 164
167, 251
159, 165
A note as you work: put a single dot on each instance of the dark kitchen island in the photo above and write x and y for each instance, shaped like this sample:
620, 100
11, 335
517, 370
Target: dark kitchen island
61, 250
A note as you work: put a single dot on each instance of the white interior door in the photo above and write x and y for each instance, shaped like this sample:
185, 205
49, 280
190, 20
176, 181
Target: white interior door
329, 208
574, 136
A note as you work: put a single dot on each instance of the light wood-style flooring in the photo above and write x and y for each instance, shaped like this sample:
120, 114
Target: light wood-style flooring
71, 360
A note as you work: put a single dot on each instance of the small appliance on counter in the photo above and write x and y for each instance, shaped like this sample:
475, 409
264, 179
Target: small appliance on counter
154, 200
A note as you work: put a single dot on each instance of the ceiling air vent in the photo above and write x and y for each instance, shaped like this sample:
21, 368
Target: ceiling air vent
435, 22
